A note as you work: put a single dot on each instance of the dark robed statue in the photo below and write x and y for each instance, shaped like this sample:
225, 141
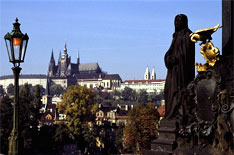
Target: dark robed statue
179, 61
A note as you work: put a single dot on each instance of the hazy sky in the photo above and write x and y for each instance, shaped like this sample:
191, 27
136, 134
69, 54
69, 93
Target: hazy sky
123, 36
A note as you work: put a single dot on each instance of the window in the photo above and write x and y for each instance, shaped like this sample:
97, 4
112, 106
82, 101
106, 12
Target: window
48, 117
91, 85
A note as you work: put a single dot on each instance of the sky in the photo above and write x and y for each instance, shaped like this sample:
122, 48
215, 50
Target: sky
123, 36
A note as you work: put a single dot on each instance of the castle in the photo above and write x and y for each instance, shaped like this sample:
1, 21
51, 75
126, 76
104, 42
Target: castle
65, 68
66, 73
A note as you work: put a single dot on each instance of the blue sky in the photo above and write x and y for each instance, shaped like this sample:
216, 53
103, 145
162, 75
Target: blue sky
122, 36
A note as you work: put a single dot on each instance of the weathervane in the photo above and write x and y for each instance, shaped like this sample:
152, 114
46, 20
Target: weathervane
208, 51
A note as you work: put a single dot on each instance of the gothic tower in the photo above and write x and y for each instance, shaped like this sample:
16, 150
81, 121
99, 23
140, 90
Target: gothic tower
78, 58
153, 74
64, 62
147, 74
51, 70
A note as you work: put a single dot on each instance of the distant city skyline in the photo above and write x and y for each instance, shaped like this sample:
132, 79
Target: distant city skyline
124, 37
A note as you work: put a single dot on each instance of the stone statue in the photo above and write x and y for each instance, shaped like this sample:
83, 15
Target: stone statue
179, 61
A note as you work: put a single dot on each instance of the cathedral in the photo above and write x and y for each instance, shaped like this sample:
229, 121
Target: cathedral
90, 75
65, 68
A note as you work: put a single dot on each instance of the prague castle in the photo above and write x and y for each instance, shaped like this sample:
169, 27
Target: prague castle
66, 73
66, 68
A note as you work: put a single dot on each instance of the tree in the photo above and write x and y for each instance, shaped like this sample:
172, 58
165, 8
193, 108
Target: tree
142, 96
56, 89
2, 91
37, 96
119, 138
6, 115
141, 127
46, 142
62, 135
155, 97
10, 89
29, 113
79, 106
128, 94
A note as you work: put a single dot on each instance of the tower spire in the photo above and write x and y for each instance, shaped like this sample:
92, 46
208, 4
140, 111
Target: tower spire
78, 57
65, 49
153, 74
52, 56
147, 73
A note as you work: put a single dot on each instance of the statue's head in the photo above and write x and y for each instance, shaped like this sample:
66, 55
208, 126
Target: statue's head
181, 22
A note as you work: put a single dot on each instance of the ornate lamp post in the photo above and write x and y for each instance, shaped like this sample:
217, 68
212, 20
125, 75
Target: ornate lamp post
16, 44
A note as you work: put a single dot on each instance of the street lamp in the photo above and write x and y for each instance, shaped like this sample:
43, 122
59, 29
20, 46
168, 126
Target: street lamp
16, 44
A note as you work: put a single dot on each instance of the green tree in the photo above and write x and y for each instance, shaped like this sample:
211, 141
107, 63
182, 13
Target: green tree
141, 127
37, 96
128, 94
45, 141
79, 106
142, 96
29, 113
6, 115
10, 89
2, 91
155, 97
56, 89
62, 135
119, 138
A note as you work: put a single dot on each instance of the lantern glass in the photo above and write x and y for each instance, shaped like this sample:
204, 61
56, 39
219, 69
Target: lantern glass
24, 46
17, 48
8, 46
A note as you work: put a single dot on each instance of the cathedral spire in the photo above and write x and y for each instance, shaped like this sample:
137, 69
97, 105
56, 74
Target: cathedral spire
153, 74
60, 54
65, 49
78, 57
51, 70
52, 56
147, 73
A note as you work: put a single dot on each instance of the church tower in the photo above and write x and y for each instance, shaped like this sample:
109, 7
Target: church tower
147, 74
64, 62
78, 58
51, 71
153, 74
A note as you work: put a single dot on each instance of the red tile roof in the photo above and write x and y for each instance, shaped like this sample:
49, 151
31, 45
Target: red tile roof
122, 117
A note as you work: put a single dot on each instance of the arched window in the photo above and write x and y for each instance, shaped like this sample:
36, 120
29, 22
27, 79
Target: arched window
48, 117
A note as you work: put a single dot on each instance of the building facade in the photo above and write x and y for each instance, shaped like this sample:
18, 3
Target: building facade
151, 86
33, 79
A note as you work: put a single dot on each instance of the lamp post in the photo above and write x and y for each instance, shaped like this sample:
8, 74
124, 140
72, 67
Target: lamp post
16, 44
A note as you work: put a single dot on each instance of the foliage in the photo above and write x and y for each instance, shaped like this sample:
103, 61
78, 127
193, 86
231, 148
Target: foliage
141, 127
142, 96
2, 91
128, 94
37, 96
155, 97
29, 115
6, 114
61, 134
56, 89
119, 138
79, 106
10, 89
45, 142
